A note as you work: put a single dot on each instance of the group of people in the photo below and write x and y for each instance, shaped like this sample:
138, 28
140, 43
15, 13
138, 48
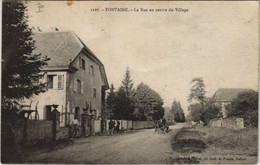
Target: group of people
161, 125
113, 126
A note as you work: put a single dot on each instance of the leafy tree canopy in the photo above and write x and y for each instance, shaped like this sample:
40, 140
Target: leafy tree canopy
148, 103
197, 90
210, 111
245, 106
107, 111
195, 112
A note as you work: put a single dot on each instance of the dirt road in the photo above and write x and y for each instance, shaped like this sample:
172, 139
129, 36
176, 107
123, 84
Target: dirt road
143, 146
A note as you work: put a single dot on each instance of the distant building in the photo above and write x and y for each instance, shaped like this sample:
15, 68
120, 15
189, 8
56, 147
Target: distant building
225, 96
75, 77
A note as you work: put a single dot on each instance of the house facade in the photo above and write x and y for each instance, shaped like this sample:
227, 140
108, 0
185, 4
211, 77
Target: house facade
224, 96
75, 77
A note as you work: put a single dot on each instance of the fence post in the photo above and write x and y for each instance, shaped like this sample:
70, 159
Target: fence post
92, 125
84, 124
55, 114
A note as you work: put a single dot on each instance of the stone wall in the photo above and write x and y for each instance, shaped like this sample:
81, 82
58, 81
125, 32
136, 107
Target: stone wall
97, 126
143, 124
42, 130
124, 124
232, 123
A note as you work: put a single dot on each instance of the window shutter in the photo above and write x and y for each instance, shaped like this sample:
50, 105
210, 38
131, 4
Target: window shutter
75, 85
45, 79
62, 81
82, 87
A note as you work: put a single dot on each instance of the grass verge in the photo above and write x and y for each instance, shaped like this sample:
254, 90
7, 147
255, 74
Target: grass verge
188, 141
235, 142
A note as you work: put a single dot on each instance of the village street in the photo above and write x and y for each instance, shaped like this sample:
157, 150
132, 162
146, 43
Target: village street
142, 146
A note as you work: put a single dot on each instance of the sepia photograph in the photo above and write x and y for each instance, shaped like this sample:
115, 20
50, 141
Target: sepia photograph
129, 82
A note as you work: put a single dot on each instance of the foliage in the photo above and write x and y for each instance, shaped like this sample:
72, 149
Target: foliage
245, 106
20, 72
120, 104
107, 111
197, 91
124, 106
176, 112
148, 103
21, 67
195, 112
211, 111
128, 104
205, 110
167, 115
127, 83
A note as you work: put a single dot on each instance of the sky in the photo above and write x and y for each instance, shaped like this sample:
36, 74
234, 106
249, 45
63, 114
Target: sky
217, 41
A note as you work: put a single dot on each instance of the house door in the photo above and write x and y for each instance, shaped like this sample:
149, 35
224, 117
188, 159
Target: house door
48, 112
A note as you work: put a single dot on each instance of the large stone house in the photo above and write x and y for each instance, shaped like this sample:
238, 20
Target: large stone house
75, 77
224, 96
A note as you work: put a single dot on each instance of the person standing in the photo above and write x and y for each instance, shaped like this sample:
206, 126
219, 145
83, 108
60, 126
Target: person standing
75, 124
117, 126
111, 126
102, 125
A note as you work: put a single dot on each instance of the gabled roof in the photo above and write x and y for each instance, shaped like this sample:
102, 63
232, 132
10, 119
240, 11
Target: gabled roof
227, 94
62, 48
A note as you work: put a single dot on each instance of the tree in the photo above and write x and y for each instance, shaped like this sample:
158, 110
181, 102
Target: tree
176, 111
124, 107
245, 106
110, 104
124, 100
197, 91
168, 115
148, 103
20, 71
210, 112
195, 112
21, 66
127, 83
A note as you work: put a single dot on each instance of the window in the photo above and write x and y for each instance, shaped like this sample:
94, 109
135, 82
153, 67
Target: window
78, 86
82, 63
92, 71
60, 82
94, 93
50, 81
